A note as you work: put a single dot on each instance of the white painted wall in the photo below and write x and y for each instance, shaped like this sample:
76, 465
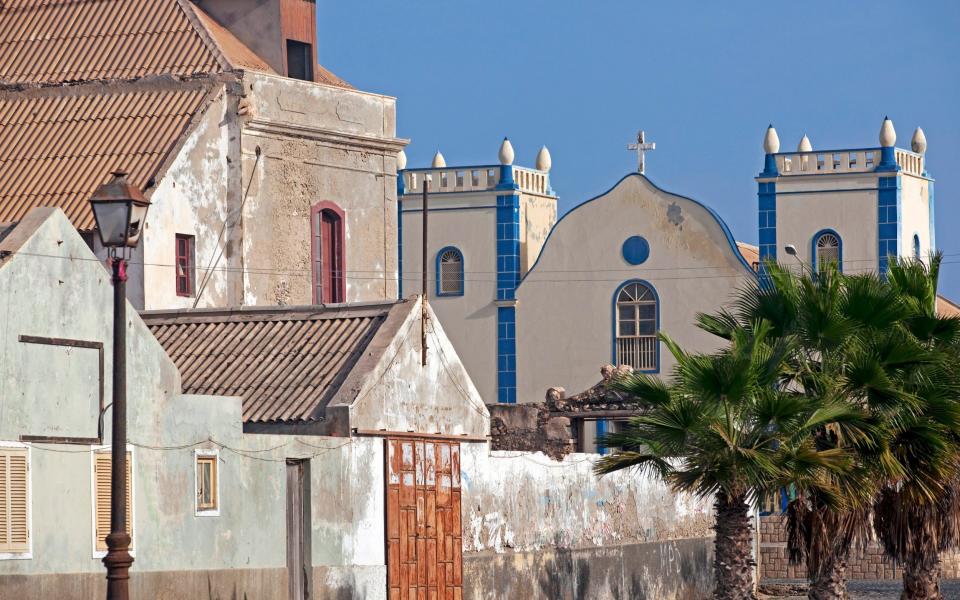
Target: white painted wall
915, 216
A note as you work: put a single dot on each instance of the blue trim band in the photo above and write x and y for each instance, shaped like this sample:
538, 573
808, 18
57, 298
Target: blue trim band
507, 354
813, 248
767, 224
463, 285
888, 221
601, 431
420, 210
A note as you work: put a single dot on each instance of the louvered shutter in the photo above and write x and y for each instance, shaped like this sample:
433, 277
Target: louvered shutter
102, 478
14, 505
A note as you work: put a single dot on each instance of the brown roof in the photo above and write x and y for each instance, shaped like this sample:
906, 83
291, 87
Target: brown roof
947, 308
285, 362
237, 54
750, 253
46, 41
58, 145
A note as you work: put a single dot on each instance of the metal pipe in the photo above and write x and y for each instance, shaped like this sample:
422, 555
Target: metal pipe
118, 559
423, 303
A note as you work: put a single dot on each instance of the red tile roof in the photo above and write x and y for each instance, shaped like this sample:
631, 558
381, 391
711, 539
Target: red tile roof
58, 145
236, 53
48, 41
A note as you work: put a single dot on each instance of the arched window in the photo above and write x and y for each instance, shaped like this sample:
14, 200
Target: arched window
327, 224
449, 272
637, 321
916, 246
826, 251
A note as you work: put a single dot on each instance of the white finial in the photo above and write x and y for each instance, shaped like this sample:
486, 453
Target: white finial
544, 162
506, 152
771, 141
888, 135
919, 142
439, 162
804, 145
401, 160
641, 148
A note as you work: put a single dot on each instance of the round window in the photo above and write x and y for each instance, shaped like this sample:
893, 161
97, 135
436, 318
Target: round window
636, 250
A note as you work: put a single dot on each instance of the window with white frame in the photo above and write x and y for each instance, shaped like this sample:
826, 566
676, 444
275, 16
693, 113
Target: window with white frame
207, 475
450, 272
14, 501
827, 248
102, 478
636, 324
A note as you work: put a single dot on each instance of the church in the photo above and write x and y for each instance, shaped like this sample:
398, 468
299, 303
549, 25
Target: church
532, 301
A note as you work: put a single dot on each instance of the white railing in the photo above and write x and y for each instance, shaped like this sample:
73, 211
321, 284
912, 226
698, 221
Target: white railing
910, 162
638, 352
844, 161
471, 179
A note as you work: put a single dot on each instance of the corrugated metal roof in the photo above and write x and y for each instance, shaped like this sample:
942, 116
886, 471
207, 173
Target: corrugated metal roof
46, 41
57, 146
286, 363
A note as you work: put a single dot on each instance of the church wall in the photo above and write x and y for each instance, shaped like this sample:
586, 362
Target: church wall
318, 143
808, 205
565, 303
470, 320
915, 216
191, 199
537, 217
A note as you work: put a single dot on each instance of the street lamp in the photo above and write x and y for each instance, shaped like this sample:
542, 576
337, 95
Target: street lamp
120, 211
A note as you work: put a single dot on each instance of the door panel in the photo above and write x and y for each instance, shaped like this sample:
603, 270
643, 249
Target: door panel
424, 543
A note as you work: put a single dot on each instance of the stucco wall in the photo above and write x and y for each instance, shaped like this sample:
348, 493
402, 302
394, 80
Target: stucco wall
537, 528
538, 214
318, 143
470, 319
191, 199
915, 216
565, 303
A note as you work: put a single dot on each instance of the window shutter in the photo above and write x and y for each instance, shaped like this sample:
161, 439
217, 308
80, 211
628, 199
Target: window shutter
102, 478
14, 507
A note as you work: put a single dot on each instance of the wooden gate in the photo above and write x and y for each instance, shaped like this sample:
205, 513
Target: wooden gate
424, 543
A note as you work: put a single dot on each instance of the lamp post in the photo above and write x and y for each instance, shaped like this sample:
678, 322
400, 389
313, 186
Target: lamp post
120, 210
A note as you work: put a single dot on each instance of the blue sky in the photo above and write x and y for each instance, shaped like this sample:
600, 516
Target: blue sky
702, 78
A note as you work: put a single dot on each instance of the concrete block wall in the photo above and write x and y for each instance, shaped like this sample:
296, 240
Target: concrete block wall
869, 563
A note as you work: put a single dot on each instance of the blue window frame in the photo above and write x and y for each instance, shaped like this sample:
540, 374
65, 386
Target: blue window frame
825, 248
449, 272
636, 323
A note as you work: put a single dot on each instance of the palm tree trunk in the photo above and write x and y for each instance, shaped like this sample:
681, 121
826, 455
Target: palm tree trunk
831, 583
732, 563
921, 577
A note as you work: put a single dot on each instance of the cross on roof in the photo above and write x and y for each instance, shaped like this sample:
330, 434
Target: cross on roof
641, 147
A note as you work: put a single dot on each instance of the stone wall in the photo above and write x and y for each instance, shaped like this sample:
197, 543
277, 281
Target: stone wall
531, 428
869, 563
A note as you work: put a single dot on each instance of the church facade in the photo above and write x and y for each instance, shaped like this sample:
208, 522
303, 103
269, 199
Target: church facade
652, 260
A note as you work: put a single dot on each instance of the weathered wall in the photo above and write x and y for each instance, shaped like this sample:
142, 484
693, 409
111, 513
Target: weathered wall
692, 265
534, 526
538, 214
192, 199
915, 216
318, 143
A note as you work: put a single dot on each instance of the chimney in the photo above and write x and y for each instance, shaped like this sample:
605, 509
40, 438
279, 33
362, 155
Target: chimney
281, 32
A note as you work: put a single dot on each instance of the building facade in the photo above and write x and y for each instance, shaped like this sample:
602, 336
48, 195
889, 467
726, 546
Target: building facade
271, 179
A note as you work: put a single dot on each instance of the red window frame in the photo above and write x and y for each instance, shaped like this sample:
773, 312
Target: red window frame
328, 253
185, 271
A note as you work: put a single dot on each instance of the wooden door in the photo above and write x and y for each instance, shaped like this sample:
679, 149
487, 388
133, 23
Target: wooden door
298, 529
424, 543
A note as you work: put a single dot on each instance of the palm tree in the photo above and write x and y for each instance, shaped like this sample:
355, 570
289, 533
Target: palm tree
917, 515
727, 426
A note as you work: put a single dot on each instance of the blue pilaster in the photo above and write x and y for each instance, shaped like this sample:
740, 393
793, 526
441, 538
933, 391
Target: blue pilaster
888, 159
767, 223
888, 220
508, 276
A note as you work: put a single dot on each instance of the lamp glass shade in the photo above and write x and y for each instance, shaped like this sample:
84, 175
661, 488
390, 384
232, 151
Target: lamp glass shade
138, 216
113, 217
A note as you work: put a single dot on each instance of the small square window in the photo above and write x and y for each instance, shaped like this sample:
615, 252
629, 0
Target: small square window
208, 483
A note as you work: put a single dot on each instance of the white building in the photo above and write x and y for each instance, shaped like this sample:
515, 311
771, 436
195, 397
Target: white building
531, 301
